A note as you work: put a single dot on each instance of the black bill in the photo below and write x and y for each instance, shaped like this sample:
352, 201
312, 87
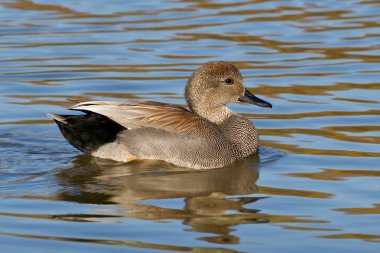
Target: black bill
249, 98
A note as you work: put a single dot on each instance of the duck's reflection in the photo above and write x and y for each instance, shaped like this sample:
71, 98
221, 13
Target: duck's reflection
207, 207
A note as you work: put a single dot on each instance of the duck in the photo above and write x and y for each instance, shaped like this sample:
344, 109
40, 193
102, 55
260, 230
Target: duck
206, 134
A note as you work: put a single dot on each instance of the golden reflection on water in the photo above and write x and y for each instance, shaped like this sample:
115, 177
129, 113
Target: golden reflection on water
372, 210
330, 174
323, 152
122, 243
365, 237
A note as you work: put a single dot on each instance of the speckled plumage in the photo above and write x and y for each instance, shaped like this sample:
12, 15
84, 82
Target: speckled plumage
207, 135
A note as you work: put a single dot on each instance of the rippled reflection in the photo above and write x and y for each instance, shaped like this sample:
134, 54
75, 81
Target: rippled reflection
139, 180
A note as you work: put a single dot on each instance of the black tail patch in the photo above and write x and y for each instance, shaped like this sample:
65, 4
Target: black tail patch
87, 132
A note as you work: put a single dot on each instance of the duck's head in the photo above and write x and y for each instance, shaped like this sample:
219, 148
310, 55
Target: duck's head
216, 84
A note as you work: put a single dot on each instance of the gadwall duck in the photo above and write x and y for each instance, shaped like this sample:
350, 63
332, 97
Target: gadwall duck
206, 135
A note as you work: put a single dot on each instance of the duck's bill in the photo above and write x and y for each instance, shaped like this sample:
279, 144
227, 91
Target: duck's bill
249, 98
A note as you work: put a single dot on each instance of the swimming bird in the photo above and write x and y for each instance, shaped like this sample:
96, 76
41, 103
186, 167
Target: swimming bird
207, 134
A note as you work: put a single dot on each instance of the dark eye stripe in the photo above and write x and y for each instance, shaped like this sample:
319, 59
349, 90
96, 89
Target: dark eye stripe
229, 81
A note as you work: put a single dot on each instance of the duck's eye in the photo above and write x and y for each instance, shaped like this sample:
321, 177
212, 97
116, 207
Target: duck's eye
229, 81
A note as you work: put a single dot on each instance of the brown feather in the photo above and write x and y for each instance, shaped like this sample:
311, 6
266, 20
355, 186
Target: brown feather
169, 117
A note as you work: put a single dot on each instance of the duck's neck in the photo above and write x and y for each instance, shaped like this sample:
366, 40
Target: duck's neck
216, 115
239, 130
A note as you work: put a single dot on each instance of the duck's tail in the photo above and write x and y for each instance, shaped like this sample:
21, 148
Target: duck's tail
87, 132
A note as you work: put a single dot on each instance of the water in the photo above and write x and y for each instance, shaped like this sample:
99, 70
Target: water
316, 188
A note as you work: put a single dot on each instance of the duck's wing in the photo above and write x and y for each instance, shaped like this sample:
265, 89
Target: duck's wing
172, 118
